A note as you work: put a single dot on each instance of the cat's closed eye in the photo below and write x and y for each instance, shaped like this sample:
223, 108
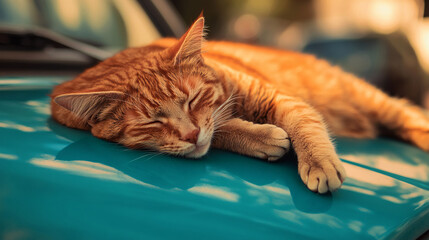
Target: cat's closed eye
192, 101
156, 122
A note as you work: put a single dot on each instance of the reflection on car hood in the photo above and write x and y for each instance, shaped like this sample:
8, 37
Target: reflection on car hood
61, 183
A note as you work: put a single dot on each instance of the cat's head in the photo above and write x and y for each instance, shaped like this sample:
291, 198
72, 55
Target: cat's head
172, 101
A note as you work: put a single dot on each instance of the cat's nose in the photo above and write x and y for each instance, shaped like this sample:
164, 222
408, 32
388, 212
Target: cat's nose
191, 136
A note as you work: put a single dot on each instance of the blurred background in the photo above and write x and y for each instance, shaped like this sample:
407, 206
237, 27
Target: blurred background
385, 42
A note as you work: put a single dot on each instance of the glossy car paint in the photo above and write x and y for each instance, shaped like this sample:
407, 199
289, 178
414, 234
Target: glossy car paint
61, 183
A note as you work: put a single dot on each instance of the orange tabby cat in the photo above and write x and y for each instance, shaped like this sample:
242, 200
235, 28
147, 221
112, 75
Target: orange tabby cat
172, 97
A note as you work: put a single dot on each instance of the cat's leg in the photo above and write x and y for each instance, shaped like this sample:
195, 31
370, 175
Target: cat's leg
263, 141
403, 118
318, 164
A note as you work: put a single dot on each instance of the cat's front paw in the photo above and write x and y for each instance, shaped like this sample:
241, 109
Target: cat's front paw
271, 142
323, 175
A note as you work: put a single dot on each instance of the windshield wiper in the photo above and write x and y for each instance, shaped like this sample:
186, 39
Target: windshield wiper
37, 47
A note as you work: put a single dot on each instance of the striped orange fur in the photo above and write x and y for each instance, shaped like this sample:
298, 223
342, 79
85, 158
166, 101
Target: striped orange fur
175, 98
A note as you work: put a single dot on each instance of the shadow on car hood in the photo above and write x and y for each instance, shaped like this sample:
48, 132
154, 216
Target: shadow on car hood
61, 183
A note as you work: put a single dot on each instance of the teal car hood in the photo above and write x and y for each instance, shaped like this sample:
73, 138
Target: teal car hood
61, 183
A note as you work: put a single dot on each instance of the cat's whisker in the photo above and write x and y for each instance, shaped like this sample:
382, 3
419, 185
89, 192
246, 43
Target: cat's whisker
154, 155
224, 112
137, 158
218, 131
219, 125
150, 154
127, 149
223, 107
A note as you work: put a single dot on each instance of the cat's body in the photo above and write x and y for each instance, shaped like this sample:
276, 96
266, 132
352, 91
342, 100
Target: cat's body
238, 97
302, 76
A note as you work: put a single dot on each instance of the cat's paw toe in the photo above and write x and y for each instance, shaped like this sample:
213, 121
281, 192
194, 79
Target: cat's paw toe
322, 177
266, 141
276, 142
270, 152
277, 133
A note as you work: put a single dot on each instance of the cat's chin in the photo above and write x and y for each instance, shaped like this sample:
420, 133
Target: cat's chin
199, 151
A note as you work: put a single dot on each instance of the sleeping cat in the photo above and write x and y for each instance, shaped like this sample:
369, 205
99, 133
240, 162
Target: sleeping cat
175, 98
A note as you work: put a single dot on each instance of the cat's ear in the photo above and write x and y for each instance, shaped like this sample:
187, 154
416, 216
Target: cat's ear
190, 44
87, 105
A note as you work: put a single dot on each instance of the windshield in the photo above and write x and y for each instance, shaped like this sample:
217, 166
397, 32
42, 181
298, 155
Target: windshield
109, 24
